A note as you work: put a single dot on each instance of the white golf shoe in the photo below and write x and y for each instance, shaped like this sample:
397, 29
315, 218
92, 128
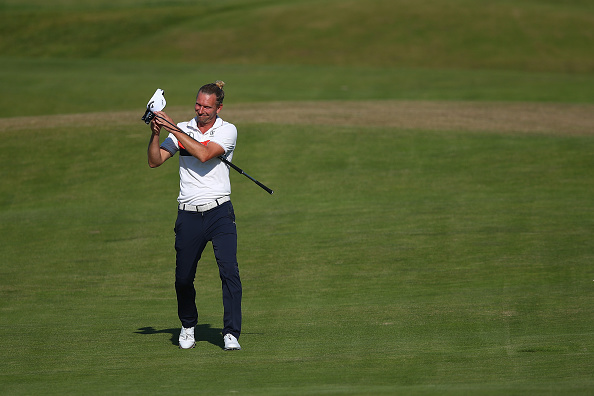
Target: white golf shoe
231, 343
186, 338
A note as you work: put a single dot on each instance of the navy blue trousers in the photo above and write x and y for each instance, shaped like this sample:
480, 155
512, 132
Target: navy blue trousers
193, 230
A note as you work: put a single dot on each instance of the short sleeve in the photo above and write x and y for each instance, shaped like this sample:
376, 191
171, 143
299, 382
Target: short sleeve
170, 144
226, 137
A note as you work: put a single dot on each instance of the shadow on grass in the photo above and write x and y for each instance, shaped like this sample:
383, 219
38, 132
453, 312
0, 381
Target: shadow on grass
202, 332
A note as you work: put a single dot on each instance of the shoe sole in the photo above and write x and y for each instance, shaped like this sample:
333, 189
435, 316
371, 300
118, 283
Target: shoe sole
180, 347
232, 349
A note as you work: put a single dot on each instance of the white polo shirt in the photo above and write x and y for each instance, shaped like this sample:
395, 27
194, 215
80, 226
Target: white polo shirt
201, 183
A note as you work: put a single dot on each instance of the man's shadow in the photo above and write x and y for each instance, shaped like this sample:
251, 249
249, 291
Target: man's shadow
202, 332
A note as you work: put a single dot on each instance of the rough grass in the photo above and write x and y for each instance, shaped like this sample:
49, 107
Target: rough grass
459, 34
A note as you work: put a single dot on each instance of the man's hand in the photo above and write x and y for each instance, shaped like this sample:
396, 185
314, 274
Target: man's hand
164, 121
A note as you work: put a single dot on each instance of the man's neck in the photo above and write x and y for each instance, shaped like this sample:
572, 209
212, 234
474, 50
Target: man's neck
205, 127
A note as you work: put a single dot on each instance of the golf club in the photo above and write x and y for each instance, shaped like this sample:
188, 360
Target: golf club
229, 163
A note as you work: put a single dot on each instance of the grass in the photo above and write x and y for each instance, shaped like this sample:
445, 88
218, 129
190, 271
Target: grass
461, 266
388, 261
45, 87
460, 34
89, 56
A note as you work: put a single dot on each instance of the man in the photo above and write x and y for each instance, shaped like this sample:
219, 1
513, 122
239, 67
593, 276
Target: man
205, 212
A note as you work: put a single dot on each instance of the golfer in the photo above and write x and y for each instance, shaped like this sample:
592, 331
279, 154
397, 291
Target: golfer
205, 212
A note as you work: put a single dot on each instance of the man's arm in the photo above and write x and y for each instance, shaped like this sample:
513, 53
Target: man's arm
192, 146
156, 155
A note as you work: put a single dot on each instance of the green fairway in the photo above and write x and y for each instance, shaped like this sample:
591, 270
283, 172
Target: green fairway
431, 227
453, 262
43, 87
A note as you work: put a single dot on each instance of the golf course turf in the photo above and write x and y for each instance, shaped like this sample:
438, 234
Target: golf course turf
430, 231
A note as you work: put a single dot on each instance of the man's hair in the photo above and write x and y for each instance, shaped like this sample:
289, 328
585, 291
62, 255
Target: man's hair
215, 88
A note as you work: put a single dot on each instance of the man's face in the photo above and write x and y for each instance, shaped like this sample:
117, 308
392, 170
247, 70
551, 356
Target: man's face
206, 108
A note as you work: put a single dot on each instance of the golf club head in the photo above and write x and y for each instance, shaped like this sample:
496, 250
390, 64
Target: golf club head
156, 103
148, 116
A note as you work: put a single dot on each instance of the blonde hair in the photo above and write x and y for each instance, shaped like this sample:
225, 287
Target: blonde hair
215, 88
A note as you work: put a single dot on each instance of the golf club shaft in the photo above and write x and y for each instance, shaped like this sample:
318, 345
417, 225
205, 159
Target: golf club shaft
238, 169
226, 161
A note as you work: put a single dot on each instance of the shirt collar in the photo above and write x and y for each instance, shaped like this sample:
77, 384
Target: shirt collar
218, 122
